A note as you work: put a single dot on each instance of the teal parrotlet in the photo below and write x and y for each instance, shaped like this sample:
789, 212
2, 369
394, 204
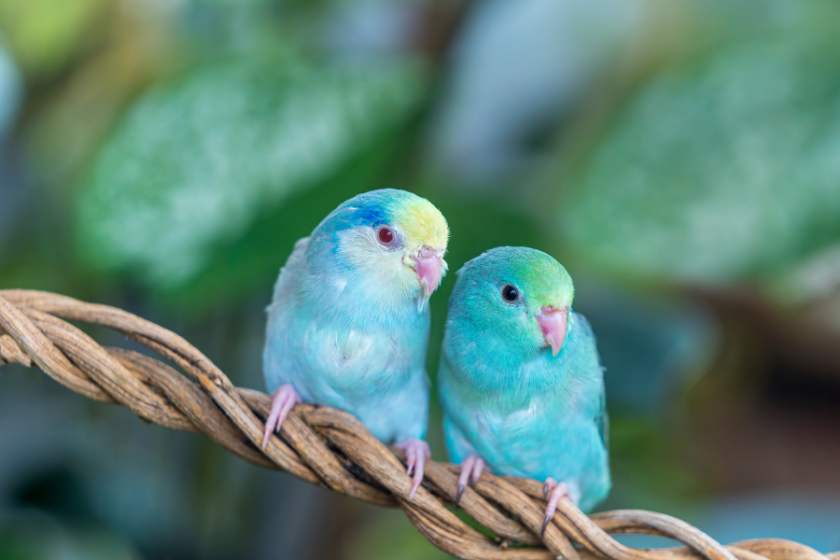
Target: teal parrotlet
520, 379
348, 326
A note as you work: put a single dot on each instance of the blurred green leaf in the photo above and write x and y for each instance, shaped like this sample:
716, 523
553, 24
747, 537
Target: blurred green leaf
725, 169
650, 469
194, 164
37, 537
249, 264
44, 33
814, 279
389, 535
77, 111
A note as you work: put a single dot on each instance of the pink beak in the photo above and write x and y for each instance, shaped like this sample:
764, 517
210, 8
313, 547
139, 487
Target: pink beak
428, 269
553, 324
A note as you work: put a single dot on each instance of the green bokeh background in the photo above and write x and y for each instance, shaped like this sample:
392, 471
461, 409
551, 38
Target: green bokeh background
683, 163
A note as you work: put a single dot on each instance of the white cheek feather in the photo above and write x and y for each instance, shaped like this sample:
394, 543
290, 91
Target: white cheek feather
389, 281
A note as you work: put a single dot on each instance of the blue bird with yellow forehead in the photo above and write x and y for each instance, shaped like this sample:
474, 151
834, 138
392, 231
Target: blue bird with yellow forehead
348, 326
520, 381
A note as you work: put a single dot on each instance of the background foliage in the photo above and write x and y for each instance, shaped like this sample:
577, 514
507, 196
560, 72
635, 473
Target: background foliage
682, 160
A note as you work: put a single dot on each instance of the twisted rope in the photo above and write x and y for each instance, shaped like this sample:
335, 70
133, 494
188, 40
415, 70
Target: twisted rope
328, 447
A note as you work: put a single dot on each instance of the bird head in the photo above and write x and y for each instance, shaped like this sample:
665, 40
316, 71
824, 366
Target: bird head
397, 239
521, 295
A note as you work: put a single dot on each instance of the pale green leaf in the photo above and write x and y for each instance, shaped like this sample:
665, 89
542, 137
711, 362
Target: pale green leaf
727, 169
194, 164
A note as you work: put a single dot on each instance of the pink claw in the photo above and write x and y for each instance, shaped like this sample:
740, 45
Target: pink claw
285, 398
416, 453
471, 470
556, 490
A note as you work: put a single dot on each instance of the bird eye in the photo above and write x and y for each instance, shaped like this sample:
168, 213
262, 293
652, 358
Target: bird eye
387, 237
510, 293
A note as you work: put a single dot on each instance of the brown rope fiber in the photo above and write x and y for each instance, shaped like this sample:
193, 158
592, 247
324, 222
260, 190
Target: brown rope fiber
328, 447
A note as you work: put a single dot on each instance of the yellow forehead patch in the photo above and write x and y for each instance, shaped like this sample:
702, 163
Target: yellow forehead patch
422, 224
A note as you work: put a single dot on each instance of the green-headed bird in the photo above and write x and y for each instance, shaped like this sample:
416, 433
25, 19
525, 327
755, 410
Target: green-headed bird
520, 380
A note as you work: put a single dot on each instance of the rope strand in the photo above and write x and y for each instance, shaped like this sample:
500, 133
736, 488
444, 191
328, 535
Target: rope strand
34, 332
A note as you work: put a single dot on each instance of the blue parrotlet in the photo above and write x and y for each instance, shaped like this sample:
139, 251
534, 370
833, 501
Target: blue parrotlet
520, 381
348, 326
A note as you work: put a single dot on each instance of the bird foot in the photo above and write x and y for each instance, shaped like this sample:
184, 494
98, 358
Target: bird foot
553, 491
416, 453
471, 470
285, 398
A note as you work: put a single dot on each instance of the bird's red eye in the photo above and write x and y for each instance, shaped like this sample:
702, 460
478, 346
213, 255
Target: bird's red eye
386, 235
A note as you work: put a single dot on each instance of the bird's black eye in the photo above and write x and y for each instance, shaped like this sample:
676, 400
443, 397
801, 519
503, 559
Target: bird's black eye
387, 237
510, 293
